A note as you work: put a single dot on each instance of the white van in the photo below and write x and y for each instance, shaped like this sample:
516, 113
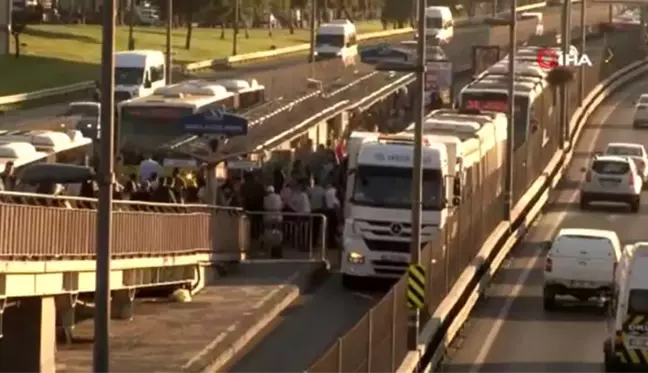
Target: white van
626, 347
337, 39
581, 263
138, 73
439, 24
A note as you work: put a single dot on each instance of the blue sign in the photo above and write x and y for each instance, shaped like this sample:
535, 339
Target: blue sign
215, 122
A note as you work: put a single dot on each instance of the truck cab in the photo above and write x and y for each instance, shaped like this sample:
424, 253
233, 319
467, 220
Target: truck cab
377, 229
138, 73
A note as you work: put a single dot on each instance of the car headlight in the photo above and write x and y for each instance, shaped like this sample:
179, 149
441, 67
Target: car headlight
355, 258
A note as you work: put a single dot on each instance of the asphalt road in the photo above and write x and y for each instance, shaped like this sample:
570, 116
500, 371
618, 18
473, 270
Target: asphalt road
509, 331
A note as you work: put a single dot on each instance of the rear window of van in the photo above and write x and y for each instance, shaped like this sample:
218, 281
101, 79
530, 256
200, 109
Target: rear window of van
581, 245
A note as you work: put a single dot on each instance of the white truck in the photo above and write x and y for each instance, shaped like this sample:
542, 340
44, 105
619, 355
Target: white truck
377, 229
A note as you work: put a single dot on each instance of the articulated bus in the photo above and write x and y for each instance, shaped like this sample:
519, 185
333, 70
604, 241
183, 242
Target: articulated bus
148, 123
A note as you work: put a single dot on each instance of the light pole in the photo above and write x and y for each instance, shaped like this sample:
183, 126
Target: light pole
169, 28
101, 348
564, 90
418, 68
417, 169
311, 51
581, 71
508, 187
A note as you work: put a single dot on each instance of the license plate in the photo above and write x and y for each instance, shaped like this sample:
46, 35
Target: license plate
638, 342
581, 284
395, 258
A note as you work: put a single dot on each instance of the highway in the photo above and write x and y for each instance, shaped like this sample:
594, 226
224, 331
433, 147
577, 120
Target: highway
275, 74
509, 331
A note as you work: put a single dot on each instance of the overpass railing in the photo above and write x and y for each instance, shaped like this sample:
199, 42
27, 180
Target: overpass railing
38, 227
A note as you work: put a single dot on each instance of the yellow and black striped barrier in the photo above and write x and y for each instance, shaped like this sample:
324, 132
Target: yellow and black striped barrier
629, 355
416, 286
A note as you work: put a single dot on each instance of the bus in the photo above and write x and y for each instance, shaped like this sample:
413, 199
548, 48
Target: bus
534, 101
67, 146
146, 124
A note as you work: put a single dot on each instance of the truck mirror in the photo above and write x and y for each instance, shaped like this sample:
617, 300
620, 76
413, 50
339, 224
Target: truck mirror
147, 84
456, 200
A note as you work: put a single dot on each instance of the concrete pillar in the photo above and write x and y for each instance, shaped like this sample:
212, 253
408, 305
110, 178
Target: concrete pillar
122, 305
5, 24
29, 340
65, 316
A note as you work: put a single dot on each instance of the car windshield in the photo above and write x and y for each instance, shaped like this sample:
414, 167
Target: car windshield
628, 151
611, 167
391, 187
129, 75
433, 22
82, 110
330, 40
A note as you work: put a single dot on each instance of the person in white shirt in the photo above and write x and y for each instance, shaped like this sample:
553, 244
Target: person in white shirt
273, 205
318, 206
298, 201
148, 168
331, 211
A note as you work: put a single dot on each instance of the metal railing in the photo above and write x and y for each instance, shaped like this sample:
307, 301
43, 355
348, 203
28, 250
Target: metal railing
377, 343
39, 226
280, 234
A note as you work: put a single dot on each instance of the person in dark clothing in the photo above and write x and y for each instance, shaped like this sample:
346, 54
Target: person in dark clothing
278, 178
144, 193
8, 177
253, 193
164, 192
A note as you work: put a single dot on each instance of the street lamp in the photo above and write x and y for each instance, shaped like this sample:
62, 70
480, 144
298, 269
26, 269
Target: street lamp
417, 68
101, 348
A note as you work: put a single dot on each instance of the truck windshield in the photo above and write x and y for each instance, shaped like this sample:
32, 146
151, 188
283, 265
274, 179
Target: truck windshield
129, 75
391, 187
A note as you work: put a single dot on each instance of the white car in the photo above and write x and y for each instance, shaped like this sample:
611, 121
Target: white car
636, 152
641, 112
581, 263
611, 178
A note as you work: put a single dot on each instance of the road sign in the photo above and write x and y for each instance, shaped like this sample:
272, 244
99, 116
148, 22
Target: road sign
215, 122
416, 286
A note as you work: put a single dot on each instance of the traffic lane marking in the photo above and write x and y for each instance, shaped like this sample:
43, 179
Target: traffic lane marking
483, 332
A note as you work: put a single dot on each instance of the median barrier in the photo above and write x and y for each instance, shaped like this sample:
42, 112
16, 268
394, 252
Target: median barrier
83, 89
473, 281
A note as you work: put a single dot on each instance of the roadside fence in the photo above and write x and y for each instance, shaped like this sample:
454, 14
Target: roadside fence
377, 343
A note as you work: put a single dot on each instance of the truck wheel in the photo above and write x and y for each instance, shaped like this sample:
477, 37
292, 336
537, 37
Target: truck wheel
548, 300
635, 205
584, 203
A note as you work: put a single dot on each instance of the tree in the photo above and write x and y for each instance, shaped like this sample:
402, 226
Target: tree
19, 21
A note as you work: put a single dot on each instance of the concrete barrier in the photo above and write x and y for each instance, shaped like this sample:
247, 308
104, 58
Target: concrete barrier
491, 255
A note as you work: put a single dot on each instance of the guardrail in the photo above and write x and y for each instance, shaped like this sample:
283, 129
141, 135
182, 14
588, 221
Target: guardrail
82, 89
455, 309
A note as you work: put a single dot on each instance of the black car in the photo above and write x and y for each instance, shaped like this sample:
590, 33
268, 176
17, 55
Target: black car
385, 53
